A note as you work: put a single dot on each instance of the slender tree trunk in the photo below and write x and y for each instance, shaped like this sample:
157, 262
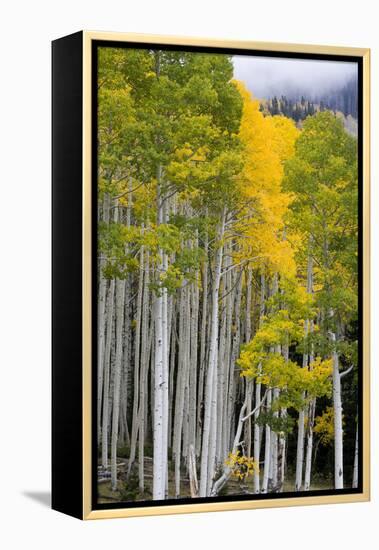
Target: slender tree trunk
126, 363
102, 323
137, 352
221, 374
158, 462
203, 348
160, 435
258, 395
249, 384
273, 481
266, 469
301, 420
308, 457
120, 297
166, 354
107, 365
338, 429
300, 450
281, 455
282, 442
181, 382
356, 459
161, 352
210, 394
234, 377
173, 361
194, 488
143, 375
193, 362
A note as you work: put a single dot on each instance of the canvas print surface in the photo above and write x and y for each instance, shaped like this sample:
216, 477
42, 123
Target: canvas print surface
227, 307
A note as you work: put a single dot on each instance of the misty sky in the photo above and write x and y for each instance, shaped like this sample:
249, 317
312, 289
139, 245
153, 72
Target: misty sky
267, 76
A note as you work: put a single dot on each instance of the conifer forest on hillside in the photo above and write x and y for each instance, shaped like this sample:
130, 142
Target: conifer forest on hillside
227, 286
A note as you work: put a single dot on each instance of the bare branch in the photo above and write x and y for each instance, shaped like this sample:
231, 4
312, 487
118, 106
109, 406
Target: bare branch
345, 372
128, 191
256, 408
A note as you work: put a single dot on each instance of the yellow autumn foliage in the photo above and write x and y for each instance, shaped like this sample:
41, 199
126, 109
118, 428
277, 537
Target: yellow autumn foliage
268, 142
241, 466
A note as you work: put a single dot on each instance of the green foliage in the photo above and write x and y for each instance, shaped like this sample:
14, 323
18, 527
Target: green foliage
178, 114
129, 490
278, 424
322, 177
262, 359
124, 451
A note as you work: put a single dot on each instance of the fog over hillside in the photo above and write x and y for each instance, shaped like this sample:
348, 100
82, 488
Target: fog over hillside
267, 77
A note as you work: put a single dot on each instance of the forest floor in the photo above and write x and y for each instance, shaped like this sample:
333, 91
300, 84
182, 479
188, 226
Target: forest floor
128, 491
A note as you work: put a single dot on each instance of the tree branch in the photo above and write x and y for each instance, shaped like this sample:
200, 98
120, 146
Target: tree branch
345, 372
220, 482
256, 408
241, 263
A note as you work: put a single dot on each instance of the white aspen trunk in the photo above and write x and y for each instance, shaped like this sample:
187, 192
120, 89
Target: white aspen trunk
173, 359
282, 444
266, 469
107, 361
249, 387
187, 352
210, 395
179, 376
187, 340
273, 481
257, 438
120, 297
126, 364
281, 455
160, 435
308, 456
185, 427
219, 414
338, 429
152, 374
249, 282
213, 433
137, 352
356, 460
107, 365
181, 385
301, 420
300, 451
228, 364
311, 421
194, 488
193, 362
158, 458
111, 378
166, 354
127, 339
143, 376
249, 384
149, 367
233, 373
203, 348
160, 416
258, 395
273, 473
102, 322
